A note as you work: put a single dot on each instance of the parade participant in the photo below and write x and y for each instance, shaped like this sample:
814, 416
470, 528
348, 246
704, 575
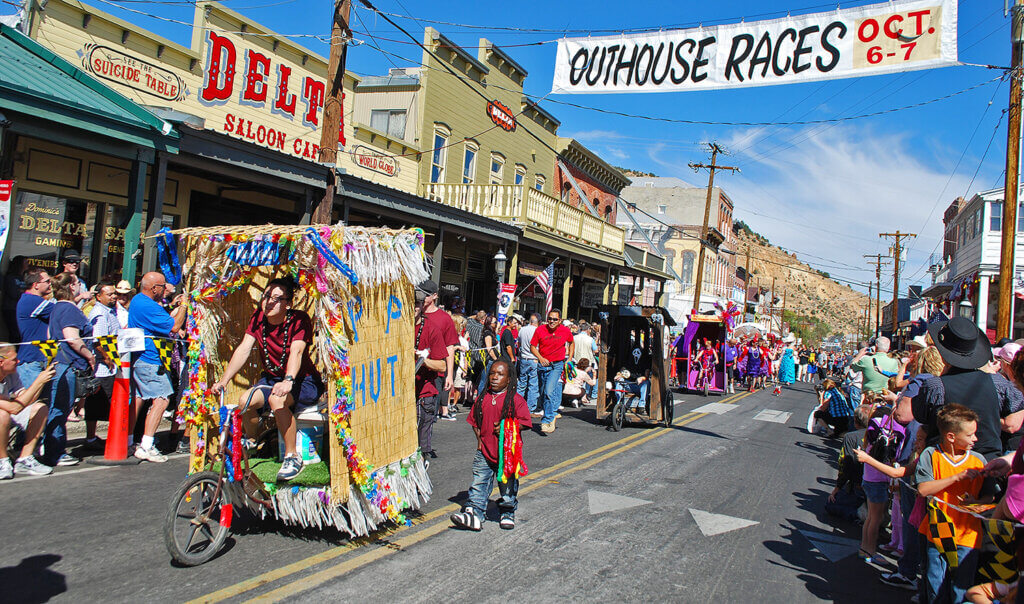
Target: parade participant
753, 363
435, 344
283, 337
21, 407
33, 312
731, 352
787, 366
152, 381
766, 364
549, 344
707, 361
499, 405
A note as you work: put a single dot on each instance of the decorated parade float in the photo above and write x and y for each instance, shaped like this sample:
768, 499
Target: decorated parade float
362, 467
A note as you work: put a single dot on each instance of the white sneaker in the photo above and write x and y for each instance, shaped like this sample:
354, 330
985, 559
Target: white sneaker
6, 469
32, 467
150, 454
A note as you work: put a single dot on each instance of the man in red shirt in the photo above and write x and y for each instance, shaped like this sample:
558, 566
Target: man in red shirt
283, 336
552, 343
435, 344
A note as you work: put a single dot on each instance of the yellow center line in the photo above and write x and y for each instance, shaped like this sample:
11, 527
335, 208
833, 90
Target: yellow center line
531, 482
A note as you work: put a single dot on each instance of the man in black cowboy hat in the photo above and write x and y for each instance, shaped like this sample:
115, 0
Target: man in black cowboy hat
965, 350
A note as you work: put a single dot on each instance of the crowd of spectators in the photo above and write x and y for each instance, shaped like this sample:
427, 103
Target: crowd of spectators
40, 393
930, 448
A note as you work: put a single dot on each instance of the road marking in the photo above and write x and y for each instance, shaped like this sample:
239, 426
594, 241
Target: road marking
321, 577
716, 408
530, 483
600, 502
771, 415
716, 524
833, 547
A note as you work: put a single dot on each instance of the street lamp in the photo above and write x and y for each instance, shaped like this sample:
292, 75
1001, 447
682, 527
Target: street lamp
499, 265
967, 309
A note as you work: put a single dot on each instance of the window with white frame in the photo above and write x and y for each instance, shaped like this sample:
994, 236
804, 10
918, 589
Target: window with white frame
497, 173
995, 218
538, 182
469, 162
439, 156
389, 121
520, 174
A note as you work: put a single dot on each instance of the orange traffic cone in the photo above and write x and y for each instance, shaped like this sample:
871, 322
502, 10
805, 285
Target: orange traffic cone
116, 451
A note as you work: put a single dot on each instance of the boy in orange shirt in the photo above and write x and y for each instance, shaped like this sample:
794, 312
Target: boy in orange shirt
951, 472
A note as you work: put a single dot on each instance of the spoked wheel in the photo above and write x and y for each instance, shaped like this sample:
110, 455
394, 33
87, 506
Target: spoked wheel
618, 415
192, 530
668, 409
707, 386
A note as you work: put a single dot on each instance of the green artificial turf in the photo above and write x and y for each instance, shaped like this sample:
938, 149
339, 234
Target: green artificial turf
312, 475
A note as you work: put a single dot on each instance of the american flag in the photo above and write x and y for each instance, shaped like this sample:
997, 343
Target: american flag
545, 280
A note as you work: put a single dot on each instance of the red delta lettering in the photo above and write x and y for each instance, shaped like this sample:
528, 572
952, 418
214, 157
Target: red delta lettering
313, 91
285, 102
220, 69
257, 68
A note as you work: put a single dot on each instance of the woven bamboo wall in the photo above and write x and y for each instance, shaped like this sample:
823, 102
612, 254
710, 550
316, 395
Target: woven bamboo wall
384, 419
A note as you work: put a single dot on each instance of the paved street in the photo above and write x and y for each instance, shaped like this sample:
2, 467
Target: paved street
725, 506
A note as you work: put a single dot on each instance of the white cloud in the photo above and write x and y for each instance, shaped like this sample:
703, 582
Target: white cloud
847, 179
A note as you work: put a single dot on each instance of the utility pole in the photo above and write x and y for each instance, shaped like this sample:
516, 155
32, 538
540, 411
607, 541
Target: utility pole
782, 315
1007, 268
330, 132
867, 327
771, 312
712, 168
879, 259
897, 250
746, 284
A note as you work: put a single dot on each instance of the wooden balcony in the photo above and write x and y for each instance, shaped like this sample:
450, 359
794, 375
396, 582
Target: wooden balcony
523, 205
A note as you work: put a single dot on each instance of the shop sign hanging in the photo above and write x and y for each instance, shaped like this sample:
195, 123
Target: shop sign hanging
505, 297
6, 187
120, 68
502, 116
902, 35
375, 161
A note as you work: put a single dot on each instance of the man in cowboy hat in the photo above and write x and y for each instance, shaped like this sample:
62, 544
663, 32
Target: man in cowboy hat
965, 350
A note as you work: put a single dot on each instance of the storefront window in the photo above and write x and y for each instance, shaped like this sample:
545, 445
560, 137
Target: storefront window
44, 227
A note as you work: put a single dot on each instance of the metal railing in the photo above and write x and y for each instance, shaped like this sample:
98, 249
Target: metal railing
520, 204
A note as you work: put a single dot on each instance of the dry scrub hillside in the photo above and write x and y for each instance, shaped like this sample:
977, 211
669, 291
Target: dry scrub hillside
810, 294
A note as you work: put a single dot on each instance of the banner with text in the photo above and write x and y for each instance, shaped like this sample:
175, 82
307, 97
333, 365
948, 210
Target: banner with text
868, 40
6, 188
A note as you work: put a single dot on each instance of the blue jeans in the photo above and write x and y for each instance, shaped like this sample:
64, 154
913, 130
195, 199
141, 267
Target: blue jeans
483, 378
638, 389
550, 379
911, 560
854, 393
944, 585
527, 386
591, 391
62, 396
28, 372
484, 474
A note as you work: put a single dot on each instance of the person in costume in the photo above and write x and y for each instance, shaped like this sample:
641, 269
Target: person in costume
283, 336
787, 366
755, 362
707, 360
498, 418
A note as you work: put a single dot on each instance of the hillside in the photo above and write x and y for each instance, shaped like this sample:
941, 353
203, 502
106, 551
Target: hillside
816, 306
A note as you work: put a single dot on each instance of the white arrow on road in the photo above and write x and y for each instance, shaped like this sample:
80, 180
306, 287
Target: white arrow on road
608, 502
716, 524
833, 547
771, 415
716, 408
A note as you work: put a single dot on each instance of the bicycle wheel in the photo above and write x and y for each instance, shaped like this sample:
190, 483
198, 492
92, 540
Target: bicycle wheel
618, 416
668, 409
193, 532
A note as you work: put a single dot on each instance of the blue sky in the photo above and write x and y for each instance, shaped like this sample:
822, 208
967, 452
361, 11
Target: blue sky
824, 191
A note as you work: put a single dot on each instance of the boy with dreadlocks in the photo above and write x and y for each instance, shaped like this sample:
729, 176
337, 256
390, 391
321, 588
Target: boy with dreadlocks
497, 419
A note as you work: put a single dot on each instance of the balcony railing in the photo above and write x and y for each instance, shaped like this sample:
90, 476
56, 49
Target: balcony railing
520, 204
